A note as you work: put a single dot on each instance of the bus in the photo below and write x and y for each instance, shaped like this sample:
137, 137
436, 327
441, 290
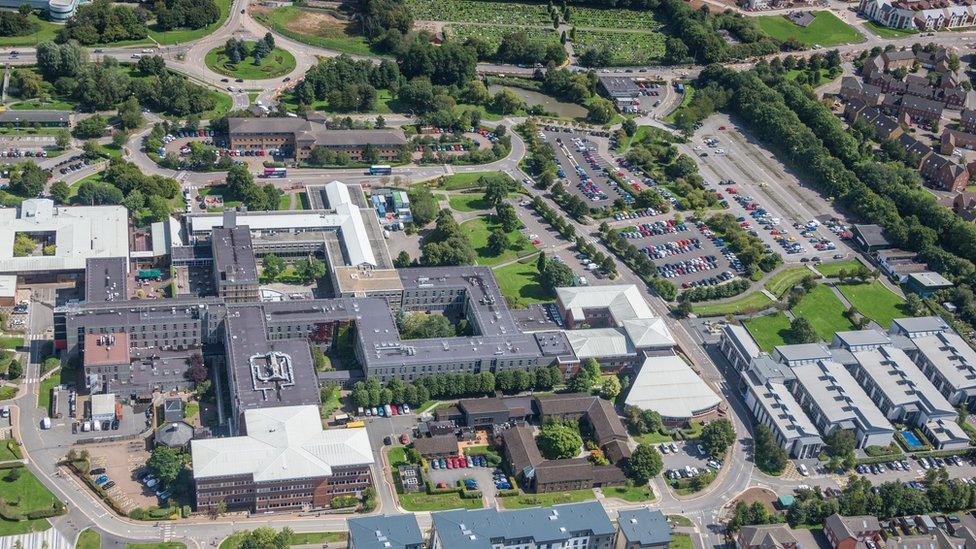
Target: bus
355, 424
380, 170
275, 172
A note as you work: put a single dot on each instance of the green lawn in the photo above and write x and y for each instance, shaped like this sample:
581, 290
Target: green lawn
11, 528
45, 33
824, 311
680, 541
89, 539
826, 30
782, 281
519, 283
186, 35
478, 230
545, 500
680, 520
44, 392
384, 103
653, 438
469, 202
11, 342
874, 301
26, 493
284, 202
279, 63
315, 28
769, 330
886, 32
45, 105
634, 493
685, 101
303, 538
6, 454
422, 501
397, 456
461, 181
639, 134
748, 303
224, 103
832, 269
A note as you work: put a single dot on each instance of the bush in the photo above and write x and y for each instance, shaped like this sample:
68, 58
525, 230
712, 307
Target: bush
470, 494
344, 502
137, 514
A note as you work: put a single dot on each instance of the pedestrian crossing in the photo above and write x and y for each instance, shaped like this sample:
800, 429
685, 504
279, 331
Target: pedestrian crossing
167, 531
48, 539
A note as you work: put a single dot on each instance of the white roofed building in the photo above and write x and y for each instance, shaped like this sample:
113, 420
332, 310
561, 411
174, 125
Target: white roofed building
77, 232
668, 385
286, 461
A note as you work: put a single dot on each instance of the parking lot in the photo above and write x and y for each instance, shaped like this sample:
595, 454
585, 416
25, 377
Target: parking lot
122, 461
680, 457
481, 475
582, 169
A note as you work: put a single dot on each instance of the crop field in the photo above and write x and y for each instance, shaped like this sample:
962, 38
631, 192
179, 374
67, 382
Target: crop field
586, 18
492, 34
626, 48
477, 11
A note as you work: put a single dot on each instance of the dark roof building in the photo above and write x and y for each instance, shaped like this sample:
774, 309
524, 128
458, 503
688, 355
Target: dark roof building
642, 529
28, 117
174, 435
776, 536
494, 411
437, 446
870, 238
106, 279
552, 527
385, 532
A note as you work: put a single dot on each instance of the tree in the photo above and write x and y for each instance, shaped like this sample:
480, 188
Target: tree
266, 538
770, 456
119, 139
600, 111
91, 127
610, 388
91, 149
497, 241
165, 464
60, 192
272, 266
717, 436
63, 139
629, 127
401, 260
27, 179
559, 442
914, 305
507, 217
557, 275
197, 372
840, 442
309, 270
644, 464
130, 114
801, 331
506, 102
683, 309
239, 180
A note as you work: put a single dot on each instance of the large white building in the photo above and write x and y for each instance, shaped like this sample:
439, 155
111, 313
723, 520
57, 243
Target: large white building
668, 385
78, 233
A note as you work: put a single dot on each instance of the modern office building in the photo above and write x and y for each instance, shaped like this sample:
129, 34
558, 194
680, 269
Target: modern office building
950, 363
642, 529
920, 326
234, 266
77, 233
284, 462
738, 346
773, 405
296, 137
833, 400
668, 385
575, 525
385, 532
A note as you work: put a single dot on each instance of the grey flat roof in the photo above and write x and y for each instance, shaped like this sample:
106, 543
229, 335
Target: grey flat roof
901, 382
954, 359
356, 138
482, 528
742, 340
247, 344
384, 532
838, 396
234, 260
873, 235
919, 324
271, 124
931, 279
803, 351
644, 526
856, 338
27, 116
105, 279
780, 406
619, 85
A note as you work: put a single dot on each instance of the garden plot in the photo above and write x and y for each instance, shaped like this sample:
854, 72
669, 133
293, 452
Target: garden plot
626, 48
475, 11
493, 34
612, 19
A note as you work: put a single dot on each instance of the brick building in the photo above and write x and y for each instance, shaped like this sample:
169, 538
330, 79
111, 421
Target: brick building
296, 137
284, 462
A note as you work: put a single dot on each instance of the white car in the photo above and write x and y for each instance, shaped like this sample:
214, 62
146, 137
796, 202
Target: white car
803, 470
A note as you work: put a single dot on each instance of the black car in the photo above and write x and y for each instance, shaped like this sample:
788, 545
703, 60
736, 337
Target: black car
97, 471
387, 440
224, 80
108, 485
239, 80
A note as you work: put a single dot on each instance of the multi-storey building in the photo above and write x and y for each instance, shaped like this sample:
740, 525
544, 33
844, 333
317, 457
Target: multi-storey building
297, 137
285, 461
234, 266
385, 532
773, 405
572, 525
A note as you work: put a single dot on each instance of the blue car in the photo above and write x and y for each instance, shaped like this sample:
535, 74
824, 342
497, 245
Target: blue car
102, 479
503, 486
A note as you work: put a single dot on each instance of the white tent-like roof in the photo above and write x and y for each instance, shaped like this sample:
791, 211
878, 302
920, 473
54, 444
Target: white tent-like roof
284, 442
667, 385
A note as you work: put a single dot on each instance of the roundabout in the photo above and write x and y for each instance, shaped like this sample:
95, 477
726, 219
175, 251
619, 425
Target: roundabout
279, 62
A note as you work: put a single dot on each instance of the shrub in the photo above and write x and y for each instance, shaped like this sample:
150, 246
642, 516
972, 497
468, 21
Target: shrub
343, 502
137, 514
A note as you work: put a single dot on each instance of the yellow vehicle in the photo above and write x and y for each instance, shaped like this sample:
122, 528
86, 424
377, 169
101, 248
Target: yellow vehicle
353, 424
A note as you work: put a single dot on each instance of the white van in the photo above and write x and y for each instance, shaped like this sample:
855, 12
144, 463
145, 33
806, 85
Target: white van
803, 470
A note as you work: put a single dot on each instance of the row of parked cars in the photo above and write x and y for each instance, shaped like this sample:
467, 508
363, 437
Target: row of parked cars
388, 410
149, 481
458, 462
656, 228
101, 479
688, 266
675, 247
635, 214
74, 163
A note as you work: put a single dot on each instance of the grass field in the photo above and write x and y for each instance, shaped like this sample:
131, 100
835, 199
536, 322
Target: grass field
626, 48
874, 301
89, 539
824, 311
886, 32
685, 101
303, 538
279, 63
423, 501
782, 281
11, 528
748, 303
832, 269
481, 11
680, 541
519, 283
680, 520
468, 202
769, 330
826, 30
45, 33
44, 392
11, 342
545, 500
26, 493
315, 28
186, 35
633, 493
39, 104
461, 181
478, 230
